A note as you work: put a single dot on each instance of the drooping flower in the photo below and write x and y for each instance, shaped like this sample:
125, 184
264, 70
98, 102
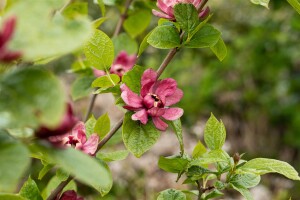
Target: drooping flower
167, 8
6, 34
77, 139
122, 64
68, 122
154, 100
69, 195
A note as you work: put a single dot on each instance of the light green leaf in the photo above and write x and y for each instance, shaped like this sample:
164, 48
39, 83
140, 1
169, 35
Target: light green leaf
123, 42
106, 81
137, 22
30, 97
30, 190
245, 180
171, 194
76, 9
138, 138
219, 49
90, 125
14, 159
164, 37
244, 191
213, 156
102, 126
11, 197
102, 7
199, 150
46, 36
113, 156
207, 36
133, 77
176, 126
264, 3
84, 167
213, 194
81, 87
214, 133
262, 166
173, 164
295, 4
99, 50
186, 16
144, 44
98, 22
46, 168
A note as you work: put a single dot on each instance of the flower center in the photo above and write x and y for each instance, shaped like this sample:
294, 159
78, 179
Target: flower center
72, 141
157, 101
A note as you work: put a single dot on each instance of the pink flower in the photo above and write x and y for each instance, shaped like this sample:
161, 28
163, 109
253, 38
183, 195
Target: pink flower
68, 122
155, 98
122, 64
8, 28
77, 139
69, 195
167, 8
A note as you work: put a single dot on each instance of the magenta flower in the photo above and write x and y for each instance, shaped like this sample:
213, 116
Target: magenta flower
8, 28
155, 98
167, 8
68, 122
69, 195
122, 64
77, 139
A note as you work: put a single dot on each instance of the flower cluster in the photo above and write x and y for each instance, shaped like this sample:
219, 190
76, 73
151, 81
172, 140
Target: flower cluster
155, 98
77, 139
8, 29
122, 64
167, 8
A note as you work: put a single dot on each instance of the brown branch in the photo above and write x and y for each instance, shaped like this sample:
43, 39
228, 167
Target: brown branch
91, 106
59, 188
122, 18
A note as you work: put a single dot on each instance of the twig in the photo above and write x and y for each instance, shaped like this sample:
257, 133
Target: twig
122, 19
59, 188
65, 6
199, 190
91, 105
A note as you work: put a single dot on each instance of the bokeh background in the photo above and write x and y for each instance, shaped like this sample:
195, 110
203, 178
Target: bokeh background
255, 91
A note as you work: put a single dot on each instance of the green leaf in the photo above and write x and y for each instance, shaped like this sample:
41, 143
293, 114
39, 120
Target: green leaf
98, 22
133, 77
245, 180
196, 172
85, 168
46, 168
30, 97
295, 4
99, 50
186, 16
102, 7
123, 42
176, 126
14, 159
264, 3
47, 36
76, 9
173, 164
81, 87
30, 190
102, 126
262, 166
114, 90
213, 156
244, 191
137, 22
106, 81
207, 36
199, 150
90, 125
113, 156
219, 49
144, 44
11, 197
138, 138
164, 37
213, 194
214, 133
171, 194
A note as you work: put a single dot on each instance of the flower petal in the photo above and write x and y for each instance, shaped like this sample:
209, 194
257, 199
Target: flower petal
162, 6
98, 72
166, 87
156, 112
130, 98
79, 132
149, 76
91, 145
172, 113
141, 115
147, 88
204, 13
161, 15
159, 124
174, 98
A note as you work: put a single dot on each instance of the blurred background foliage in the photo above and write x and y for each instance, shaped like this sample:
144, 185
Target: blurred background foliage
255, 90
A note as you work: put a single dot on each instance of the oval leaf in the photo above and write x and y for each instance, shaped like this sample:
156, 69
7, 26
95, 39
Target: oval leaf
214, 133
171, 194
164, 37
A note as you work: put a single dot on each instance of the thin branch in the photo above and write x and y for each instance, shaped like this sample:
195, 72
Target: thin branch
59, 188
122, 18
91, 105
199, 190
65, 6
166, 61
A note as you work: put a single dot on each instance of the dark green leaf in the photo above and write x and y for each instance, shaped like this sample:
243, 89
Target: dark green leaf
137, 22
214, 133
133, 77
81, 87
186, 16
30, 97
102, 126
196, 172
138, 138
171, 194
113, 156
30, 190
99, 50
164, 37
14, 159
174, 164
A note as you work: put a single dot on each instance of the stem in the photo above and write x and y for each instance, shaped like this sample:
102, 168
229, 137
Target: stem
65, 6
166, 61
122, 19
199, 189
202, 4
59, 188
91, 105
